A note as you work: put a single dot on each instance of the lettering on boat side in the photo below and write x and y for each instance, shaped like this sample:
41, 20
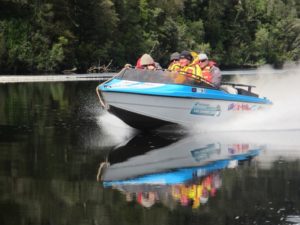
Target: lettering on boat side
135, 85
123, 83
147, 85
243, 107
238, 148
205, 109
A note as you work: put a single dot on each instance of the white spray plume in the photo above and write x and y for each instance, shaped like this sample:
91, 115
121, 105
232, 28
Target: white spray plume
282, 88
114, 130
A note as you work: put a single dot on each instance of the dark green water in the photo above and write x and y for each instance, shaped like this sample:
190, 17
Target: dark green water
52, 143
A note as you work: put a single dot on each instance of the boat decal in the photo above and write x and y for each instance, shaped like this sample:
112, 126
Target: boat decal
243, 107
204, 153
134, 85
205, 109
147, 85
122, 83
238, 148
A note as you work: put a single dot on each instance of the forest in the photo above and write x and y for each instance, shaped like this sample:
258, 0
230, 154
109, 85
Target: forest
49, 36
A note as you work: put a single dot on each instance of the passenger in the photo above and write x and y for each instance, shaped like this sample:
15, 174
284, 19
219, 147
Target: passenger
147, 199
174, 61
147, 62
187, 67
138, 64
210, 71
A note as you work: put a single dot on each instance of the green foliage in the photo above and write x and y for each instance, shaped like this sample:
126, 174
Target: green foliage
49, 36
15, 46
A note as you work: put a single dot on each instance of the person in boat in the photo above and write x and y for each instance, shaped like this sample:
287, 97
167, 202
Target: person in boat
174, 61
210, 70
187, 67
147, 62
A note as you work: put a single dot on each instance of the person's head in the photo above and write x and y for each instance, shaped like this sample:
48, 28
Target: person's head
146, 199
174, 57
203, 60
147, 62
185, 58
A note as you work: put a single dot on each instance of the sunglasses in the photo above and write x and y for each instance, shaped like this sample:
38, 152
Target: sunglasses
203, 60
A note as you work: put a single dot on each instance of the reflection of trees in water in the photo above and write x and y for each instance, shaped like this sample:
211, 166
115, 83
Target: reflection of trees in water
45, 169
26, 103
54, 201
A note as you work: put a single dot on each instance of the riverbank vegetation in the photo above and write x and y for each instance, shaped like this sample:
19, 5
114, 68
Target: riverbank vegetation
48, 36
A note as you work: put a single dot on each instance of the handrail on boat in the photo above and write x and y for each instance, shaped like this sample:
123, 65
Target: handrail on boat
101, 99
239, 85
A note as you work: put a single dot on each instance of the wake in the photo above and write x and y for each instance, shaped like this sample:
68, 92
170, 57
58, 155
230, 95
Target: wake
282, 88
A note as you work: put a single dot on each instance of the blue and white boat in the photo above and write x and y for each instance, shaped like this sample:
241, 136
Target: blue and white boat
150, 99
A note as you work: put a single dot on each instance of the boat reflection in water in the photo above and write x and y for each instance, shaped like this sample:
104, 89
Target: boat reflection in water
174, 170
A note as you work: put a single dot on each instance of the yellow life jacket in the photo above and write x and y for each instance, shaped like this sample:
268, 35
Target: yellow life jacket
175, 66
192, 70
195, 57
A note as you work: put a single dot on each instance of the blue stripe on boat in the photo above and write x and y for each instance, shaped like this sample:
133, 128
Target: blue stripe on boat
175, 90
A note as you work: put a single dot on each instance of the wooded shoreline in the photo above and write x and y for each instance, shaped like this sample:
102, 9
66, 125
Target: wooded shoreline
106, 76
50, 36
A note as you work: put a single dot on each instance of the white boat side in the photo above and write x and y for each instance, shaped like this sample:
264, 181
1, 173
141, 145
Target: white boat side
183, 111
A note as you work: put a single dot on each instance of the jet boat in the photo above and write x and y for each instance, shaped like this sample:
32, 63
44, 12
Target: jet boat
148, 100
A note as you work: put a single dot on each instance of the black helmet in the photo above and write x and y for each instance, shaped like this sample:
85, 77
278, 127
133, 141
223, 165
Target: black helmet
186, 55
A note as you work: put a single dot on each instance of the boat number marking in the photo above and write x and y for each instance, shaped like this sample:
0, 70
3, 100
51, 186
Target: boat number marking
200, 90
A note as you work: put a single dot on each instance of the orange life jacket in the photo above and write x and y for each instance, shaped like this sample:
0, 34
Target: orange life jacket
206, 71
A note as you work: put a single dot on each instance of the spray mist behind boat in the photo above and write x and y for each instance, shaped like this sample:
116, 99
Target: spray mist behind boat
282, 88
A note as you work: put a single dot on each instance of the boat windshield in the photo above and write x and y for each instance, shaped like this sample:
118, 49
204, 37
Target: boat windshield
160, 76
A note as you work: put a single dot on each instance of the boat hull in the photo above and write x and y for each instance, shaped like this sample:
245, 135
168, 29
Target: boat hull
151, 112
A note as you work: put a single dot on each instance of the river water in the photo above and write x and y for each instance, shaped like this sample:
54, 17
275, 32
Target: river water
64, 161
